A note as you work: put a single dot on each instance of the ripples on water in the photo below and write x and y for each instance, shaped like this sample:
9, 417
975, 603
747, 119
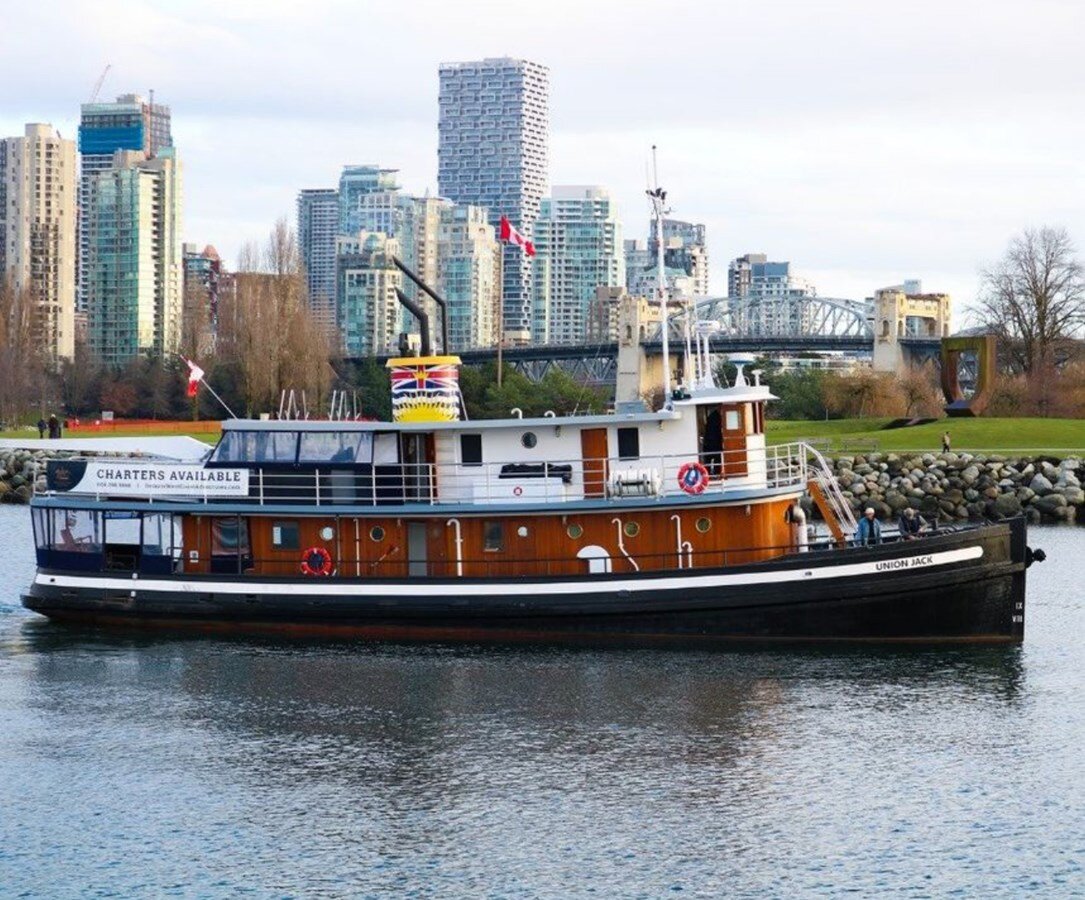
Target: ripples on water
148, 765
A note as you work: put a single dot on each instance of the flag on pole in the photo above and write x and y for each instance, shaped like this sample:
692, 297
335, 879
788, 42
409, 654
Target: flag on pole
511, 236
195, 376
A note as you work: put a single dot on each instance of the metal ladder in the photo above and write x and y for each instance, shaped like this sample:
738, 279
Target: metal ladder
830, 500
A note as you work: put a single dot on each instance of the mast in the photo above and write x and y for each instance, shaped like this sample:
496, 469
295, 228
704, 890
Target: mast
657, 195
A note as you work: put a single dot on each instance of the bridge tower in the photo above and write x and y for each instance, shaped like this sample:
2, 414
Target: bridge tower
639, 375
898, 317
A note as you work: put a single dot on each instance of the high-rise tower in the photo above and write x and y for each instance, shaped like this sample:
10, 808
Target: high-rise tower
128, 123
318, 225
133, 265
493, 151
37, 231
579, 245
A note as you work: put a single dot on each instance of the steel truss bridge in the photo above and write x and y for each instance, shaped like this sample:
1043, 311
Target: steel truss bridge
770, 325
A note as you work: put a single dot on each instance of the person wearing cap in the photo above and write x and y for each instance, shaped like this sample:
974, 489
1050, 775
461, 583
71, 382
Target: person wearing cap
869, 530
909, 525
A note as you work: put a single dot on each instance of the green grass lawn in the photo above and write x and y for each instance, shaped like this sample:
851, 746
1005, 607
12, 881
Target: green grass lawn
150, 432
1054, 435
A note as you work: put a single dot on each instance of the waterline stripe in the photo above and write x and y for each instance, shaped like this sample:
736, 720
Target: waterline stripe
588, 585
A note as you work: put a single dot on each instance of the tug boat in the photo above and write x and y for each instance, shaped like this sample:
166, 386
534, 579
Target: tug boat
677, 525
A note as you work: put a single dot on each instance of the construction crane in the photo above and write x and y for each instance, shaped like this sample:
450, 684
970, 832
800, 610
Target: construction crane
98, 83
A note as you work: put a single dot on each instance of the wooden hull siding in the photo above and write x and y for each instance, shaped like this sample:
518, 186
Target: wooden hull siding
500, 545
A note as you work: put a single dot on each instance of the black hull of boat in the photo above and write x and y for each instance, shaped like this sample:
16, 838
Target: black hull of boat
960, 586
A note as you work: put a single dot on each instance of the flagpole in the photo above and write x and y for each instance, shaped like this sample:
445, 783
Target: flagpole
500, 310
191, 365
217, 397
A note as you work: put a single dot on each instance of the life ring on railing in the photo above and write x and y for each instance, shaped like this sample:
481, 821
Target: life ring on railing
693, 478
316, 561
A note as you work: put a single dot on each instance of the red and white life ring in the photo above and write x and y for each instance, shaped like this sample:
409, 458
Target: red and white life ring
316, 561
693, 478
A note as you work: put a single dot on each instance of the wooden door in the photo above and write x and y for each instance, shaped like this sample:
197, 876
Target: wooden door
734, 440
593, 452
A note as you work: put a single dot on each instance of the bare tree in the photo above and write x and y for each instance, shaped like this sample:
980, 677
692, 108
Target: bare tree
268, 328
22, 369
1034, 297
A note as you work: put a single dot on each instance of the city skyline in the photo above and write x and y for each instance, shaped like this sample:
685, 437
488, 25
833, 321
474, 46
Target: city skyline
855, 170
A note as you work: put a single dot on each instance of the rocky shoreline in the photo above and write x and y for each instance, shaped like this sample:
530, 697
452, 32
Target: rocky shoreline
963, 486
946, 486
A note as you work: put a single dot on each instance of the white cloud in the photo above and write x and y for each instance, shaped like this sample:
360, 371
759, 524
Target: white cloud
863, 142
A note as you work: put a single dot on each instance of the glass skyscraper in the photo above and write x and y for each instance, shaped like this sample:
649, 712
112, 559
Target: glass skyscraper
128, 123
579, 244
493, 151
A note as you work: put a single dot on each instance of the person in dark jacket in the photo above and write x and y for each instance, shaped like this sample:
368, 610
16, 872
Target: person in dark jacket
41, 428
54, 427
870, 529
909, 525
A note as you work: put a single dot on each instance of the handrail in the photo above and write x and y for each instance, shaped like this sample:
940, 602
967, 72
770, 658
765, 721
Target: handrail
831, 489
391, 563
545, 482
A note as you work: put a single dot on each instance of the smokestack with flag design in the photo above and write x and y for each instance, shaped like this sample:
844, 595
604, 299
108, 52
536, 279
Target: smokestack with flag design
425, 388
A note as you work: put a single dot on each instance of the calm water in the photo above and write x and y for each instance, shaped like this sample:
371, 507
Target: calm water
155, 766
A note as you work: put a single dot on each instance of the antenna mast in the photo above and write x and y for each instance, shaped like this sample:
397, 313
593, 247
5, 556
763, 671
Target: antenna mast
657, 196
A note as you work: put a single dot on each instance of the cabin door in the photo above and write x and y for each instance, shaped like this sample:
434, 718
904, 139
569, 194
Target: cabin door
734, 440
593, 451
417, 556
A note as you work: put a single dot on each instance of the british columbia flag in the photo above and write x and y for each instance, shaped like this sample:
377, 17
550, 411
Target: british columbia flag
425, 378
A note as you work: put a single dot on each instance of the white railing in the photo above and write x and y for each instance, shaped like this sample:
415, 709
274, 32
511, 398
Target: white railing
610, 479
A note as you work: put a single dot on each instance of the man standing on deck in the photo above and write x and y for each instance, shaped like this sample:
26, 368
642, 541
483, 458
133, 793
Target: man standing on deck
869, 530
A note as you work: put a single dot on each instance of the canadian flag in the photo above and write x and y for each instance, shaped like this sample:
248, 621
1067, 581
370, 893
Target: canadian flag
512, 236
195, 376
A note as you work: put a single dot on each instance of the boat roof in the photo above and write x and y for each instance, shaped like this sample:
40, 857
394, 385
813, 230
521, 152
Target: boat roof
589, 421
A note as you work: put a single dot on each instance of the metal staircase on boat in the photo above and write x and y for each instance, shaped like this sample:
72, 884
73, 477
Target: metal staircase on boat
830, 500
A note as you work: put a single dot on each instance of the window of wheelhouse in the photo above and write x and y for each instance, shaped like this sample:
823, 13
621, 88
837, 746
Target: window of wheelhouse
471, 449
263, 447
628, 443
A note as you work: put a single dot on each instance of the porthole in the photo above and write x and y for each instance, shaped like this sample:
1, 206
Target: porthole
631, 529
528, 439
521, 531
376, 533
574, 531
703, 524
327, 533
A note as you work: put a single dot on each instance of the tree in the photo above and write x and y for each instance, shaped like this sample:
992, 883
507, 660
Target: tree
267, 330
1033, 298
22, 361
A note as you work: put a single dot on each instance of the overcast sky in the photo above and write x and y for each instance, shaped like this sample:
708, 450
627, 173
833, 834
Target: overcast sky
865, 142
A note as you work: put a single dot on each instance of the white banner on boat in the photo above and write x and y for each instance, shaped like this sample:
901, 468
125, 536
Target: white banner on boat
145, 479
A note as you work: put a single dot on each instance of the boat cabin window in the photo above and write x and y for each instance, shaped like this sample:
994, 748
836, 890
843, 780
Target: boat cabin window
628, 443
285, 535
493, 537
471, 449
256, 447
122, 540
75, 531
348, 447
732, 420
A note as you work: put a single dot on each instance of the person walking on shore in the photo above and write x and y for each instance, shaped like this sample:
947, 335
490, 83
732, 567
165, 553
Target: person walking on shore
945, 442
54, 428
869, 530
41, 429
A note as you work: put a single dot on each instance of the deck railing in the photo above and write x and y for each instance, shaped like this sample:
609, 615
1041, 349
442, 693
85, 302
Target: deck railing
610, 479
